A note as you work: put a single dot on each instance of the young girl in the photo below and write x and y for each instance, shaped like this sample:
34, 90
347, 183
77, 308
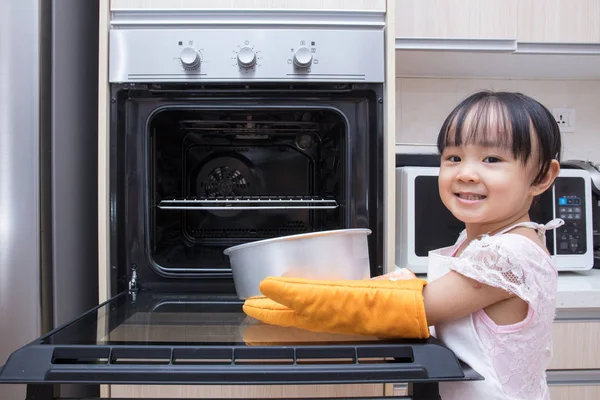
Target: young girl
491, 296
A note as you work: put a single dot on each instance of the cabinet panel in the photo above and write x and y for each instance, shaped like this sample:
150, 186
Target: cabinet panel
103, 157
456, 19
576, 345
396, 389
559, 21
246, 391
575, 392
378, 5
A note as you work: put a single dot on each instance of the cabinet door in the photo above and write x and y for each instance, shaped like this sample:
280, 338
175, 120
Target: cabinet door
576, 345
575, 392
559, 21
456, 19
378, 5
246, 392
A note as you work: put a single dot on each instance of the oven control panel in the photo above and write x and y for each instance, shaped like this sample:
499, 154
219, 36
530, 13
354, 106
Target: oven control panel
220, 55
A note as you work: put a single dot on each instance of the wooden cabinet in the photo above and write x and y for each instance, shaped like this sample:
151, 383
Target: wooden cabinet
478, 38
575, 392
375, 5
246, 391
556, 392
202, 391
538, 21
559, 21
576, 345
456, 19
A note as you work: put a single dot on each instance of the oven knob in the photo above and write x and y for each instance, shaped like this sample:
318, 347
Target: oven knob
246, 57
303, 57
190, 59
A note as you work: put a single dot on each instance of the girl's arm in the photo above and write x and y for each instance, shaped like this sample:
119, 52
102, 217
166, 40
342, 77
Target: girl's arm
453, 295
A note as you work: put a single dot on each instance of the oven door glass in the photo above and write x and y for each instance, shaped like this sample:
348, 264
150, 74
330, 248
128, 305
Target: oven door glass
176, 319
194, 339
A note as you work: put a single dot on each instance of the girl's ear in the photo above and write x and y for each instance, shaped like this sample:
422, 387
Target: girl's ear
548, 179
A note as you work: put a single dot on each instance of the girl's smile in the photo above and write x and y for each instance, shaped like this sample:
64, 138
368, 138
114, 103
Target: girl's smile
470, 198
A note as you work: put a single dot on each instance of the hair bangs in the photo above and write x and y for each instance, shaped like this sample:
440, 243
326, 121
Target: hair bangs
506, 120
490, 122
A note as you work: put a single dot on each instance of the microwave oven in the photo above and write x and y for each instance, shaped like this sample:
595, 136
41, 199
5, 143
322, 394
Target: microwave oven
423, 223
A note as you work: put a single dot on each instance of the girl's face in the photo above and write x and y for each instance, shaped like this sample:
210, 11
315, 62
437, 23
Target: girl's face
485, 186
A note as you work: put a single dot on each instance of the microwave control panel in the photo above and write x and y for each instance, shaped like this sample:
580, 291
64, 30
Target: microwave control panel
570, 205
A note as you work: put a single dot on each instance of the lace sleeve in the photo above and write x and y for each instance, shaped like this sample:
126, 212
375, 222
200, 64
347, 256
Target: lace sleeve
511, 262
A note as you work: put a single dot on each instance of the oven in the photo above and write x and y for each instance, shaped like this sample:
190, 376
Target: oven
224, 132
223, 154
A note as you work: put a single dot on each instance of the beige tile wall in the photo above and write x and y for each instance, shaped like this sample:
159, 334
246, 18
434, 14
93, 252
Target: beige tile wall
422, 105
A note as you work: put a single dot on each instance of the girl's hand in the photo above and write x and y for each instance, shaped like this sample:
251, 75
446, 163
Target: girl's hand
399, 275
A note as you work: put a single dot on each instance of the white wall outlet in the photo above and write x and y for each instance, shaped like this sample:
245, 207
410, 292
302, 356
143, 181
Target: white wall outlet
565, 118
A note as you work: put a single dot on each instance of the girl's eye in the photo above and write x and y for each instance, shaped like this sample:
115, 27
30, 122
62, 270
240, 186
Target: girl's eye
453, 158
491, 159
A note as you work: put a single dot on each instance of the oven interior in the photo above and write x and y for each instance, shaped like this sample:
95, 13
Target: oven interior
222, 177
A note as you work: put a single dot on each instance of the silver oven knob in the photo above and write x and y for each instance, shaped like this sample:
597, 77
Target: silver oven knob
190, 59
303, 57
246, 57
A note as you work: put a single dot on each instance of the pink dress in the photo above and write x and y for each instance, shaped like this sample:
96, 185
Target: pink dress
512, 358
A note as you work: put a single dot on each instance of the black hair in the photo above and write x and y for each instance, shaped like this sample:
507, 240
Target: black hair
504, 119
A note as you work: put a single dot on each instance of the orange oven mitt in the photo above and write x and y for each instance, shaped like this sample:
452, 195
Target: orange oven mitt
382, 308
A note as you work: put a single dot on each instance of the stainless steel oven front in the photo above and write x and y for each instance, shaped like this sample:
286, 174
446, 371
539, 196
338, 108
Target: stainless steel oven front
221, 137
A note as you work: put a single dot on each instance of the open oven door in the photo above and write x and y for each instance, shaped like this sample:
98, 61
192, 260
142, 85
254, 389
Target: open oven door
145, 337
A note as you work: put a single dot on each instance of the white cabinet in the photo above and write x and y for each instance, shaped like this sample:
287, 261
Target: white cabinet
364, 5
559, 21
456, 19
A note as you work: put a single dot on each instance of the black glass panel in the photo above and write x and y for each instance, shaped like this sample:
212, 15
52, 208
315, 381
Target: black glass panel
167, 319
203, 339
570, 206
541, 212
435, 226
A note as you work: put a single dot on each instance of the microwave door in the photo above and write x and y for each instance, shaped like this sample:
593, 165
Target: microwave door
542, 211
423, 223
435, 226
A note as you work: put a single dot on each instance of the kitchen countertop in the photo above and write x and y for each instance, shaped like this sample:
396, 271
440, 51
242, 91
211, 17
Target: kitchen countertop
578, 290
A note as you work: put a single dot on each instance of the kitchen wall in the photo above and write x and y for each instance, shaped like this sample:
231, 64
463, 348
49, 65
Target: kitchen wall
423, 104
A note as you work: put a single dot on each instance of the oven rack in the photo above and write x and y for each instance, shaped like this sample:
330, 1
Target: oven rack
249, 203
250, 126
